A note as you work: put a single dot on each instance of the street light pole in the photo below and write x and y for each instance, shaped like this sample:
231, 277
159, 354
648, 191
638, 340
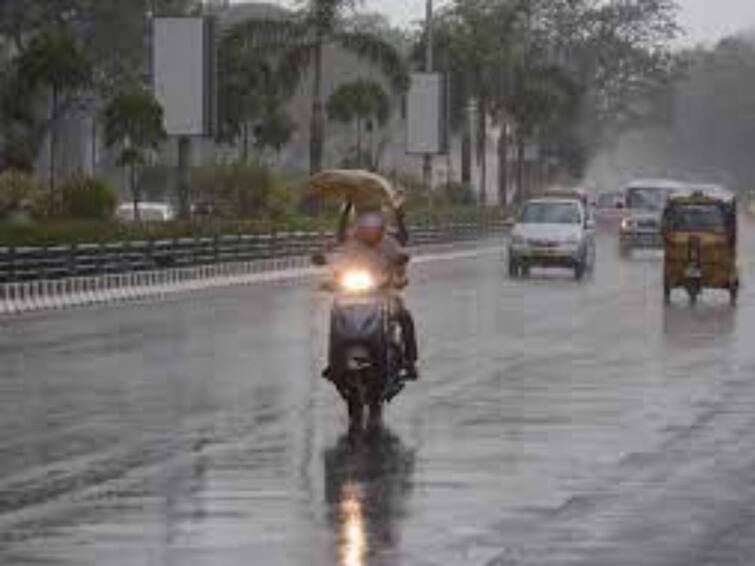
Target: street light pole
427, 162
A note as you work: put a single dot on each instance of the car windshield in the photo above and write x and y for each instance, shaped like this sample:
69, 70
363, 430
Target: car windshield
690, 218
551, 213
650, 199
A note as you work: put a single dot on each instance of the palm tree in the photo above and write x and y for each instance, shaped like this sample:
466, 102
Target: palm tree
252, 93
362, 102
303, 41
134, 121
54, 61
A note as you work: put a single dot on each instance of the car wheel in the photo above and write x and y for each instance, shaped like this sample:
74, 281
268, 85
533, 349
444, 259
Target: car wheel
693, 291
579, 271
624, 250
733, 294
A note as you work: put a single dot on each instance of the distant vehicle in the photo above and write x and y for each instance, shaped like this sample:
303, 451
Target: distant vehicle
700, 241
552, 232
574, 192
644, 201
609, 208
148, 212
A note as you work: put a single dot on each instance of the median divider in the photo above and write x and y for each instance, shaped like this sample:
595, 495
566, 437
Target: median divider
21, 297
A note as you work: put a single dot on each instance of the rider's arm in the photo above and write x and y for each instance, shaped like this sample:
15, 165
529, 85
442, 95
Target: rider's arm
343, 222
403, 234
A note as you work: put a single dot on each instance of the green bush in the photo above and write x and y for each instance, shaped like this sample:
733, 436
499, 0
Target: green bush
20, 195
57, 233
82, 198
242, 191
67, 232
458, 194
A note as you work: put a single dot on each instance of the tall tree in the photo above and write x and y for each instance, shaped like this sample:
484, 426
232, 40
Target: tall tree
274, 130
304, 41
253, 90
54, 62
133, 124
364, 103
532, 65
114, 35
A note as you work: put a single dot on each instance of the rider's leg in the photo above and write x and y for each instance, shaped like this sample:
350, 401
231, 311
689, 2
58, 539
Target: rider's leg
409, 334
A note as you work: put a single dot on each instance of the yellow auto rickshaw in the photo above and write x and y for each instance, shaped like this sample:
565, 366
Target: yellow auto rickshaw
699, 230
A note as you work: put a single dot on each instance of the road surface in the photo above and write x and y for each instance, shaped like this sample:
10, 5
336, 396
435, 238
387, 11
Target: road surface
556, 423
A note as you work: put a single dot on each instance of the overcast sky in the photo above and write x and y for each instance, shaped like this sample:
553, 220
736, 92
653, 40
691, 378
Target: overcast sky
704, 20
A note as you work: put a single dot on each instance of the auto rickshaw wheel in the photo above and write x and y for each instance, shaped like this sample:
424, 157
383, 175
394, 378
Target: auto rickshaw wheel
694, 292
733, 294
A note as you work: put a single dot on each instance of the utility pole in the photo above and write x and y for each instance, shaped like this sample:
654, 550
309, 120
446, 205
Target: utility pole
427, 162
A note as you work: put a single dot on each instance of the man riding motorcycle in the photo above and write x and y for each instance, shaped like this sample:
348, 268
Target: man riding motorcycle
370, 241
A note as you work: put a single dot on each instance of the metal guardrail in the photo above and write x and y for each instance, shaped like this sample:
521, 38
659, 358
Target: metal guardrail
54, 294
63, 277
53, 263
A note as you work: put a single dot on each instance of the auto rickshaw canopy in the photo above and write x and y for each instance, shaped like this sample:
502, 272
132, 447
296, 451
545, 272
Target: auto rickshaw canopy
702, 195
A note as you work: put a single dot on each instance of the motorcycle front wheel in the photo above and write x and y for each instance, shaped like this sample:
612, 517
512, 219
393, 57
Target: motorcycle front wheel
356, 413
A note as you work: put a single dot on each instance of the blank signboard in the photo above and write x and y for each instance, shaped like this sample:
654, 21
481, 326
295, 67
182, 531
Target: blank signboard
424, 114
182, 74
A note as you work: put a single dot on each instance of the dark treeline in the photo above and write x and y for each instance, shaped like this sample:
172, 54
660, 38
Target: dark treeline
705, 125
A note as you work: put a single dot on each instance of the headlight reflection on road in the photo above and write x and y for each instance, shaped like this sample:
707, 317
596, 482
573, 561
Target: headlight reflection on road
353, 536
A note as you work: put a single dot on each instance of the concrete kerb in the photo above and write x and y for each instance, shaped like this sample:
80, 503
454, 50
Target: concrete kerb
45, 295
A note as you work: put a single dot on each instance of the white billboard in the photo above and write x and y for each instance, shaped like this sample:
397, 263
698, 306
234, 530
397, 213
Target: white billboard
425, 114
182, 74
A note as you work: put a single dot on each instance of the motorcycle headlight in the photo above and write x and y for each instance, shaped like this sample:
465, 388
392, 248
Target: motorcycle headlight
357, 281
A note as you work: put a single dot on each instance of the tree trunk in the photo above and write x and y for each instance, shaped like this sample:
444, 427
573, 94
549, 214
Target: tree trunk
245, 143
134, 192
184, 182
53, 136
466, 145
317, 125
482, 148
359, 143
94, 145
521, 191
503, 165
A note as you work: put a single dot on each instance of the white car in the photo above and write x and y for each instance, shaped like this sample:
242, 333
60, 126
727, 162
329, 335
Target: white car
552, 232
645, 200
148, 212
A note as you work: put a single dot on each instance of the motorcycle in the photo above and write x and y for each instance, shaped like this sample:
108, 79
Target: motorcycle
366, 351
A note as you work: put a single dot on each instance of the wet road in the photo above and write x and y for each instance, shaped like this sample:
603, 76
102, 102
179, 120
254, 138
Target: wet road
557, 423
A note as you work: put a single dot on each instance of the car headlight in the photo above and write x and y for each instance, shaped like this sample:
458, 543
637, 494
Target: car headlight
626, 224
572, 241
357, 281
518, 240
